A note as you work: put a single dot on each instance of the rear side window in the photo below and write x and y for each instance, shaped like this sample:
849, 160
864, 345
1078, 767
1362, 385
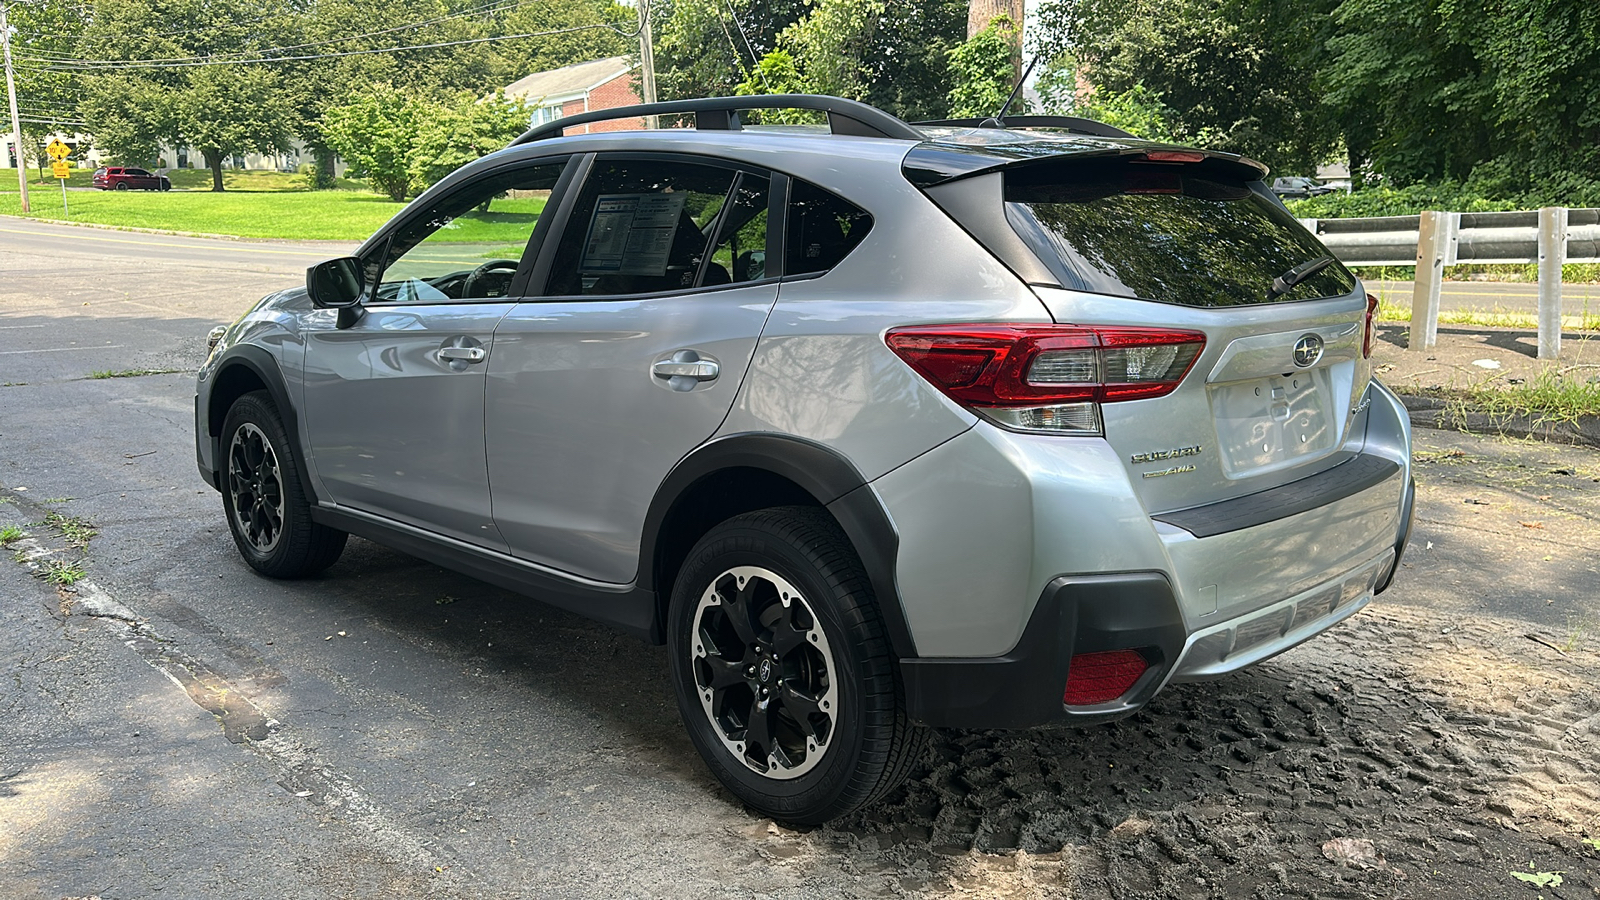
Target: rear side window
1191, 234
823, 229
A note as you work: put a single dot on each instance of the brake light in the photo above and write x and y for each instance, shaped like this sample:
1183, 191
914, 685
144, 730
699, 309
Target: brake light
1047, 378
1102, 677
1179, 156
1366, 336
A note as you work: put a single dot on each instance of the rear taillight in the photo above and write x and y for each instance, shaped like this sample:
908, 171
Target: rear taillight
1047, 378
1372, 318
1102, 677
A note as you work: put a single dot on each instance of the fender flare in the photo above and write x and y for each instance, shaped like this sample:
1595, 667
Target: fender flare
265, 367
822, 472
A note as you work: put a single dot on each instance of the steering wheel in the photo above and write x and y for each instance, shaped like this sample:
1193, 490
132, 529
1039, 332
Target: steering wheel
493, 265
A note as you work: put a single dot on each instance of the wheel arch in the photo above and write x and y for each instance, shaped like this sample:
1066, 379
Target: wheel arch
744, 472
249, 368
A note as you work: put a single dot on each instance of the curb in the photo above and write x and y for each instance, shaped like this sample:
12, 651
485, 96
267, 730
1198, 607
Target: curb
1432, 412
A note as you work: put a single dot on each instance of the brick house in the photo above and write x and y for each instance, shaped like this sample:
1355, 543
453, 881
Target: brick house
581, 87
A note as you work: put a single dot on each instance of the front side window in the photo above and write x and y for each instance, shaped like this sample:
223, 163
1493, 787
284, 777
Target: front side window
646, 226
469, 244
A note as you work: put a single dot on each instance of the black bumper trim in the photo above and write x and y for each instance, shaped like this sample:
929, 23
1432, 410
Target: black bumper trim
1344, 480
1022, 689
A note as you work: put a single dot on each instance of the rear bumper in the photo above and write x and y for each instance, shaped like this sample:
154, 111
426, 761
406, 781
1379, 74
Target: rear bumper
1088, 614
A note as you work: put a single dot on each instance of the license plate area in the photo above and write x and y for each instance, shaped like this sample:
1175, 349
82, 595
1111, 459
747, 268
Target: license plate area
1273, 422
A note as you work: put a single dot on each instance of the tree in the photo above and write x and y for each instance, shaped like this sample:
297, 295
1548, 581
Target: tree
893, 54
376, 133
194, 93
983, 70
449, 138
706, 48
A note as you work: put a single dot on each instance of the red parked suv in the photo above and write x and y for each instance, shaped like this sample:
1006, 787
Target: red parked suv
119, 178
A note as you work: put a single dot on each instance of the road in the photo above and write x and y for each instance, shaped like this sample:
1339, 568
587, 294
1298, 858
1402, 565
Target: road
176, 726
1494, 296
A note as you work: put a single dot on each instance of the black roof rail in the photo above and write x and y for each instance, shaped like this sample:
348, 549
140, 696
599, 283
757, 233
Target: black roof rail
1070, 123
722, 114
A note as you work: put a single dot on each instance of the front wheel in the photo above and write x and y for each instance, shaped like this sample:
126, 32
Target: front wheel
262, 495
782, 670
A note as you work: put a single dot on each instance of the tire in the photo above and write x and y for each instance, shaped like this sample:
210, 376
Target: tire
782, 670
121, 186
262, 495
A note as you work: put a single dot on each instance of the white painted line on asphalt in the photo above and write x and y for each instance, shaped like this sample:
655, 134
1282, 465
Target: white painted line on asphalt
300, 771
61, 349
5, 327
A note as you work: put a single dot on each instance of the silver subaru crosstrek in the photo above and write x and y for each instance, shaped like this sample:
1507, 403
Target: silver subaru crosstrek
976, 424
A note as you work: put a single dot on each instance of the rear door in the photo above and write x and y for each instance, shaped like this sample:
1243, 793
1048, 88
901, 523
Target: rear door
395, 401
654, 300
1194, 242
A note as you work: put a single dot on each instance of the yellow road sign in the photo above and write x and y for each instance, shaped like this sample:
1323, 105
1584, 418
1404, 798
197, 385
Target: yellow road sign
60, 168
58, 151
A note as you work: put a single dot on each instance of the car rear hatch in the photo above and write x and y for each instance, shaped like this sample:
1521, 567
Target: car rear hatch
1190, 280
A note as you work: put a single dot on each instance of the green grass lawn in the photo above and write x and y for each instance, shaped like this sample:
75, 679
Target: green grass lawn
291, 214
301, 215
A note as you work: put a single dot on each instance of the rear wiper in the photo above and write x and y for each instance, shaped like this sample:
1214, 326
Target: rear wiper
1286, 282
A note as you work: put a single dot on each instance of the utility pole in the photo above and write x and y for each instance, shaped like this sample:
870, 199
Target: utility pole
647, 59
16, 123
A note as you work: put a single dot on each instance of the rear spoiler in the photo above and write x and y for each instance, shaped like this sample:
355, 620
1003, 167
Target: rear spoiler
930, 163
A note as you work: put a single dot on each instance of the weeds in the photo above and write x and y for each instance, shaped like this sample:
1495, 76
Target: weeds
1577, 636
131, 373
76, 530
10, 534
1389, 311
1550, 397
61, 573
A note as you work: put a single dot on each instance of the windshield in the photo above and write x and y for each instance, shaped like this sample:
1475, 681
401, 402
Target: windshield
1185, 234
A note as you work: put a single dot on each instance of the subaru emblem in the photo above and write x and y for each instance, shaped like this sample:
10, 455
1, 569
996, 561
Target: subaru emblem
1307, 351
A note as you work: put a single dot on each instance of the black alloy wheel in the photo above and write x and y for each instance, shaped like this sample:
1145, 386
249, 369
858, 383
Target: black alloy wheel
265, 501
782, 669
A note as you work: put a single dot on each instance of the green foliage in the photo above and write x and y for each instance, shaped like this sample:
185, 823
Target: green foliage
1226, 73
1495, 93
1138, 111
449, 138
376, 133
890, 53
984, 70
707, 48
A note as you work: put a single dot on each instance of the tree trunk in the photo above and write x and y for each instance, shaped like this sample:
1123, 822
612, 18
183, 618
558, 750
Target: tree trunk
981, 12
322, 179
1358, 166
214, 163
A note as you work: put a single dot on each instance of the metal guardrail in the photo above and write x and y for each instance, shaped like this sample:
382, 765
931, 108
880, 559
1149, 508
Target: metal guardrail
1433, 240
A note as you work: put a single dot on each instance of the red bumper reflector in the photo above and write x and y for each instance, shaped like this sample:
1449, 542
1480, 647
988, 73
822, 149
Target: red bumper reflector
1102, 677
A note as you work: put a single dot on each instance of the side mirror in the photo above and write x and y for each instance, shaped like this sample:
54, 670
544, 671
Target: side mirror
337, 283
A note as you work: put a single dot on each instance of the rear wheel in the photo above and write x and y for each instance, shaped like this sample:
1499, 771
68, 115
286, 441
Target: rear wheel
265, 502
783, 674
122, 186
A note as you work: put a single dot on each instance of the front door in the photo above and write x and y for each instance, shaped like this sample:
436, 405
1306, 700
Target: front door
658, 292
394, 402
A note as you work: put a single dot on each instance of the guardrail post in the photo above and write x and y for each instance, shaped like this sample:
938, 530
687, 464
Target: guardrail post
1433, 233
1552, 255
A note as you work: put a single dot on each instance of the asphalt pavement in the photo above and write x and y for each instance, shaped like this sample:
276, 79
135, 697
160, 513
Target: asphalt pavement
176, 726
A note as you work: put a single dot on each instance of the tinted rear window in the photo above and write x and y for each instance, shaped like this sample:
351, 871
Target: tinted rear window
1186, 234
823, 229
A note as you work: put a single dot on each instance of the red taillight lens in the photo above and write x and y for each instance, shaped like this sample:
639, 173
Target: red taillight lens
1102, 677
1181, 156
1372, 317
1031, 367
